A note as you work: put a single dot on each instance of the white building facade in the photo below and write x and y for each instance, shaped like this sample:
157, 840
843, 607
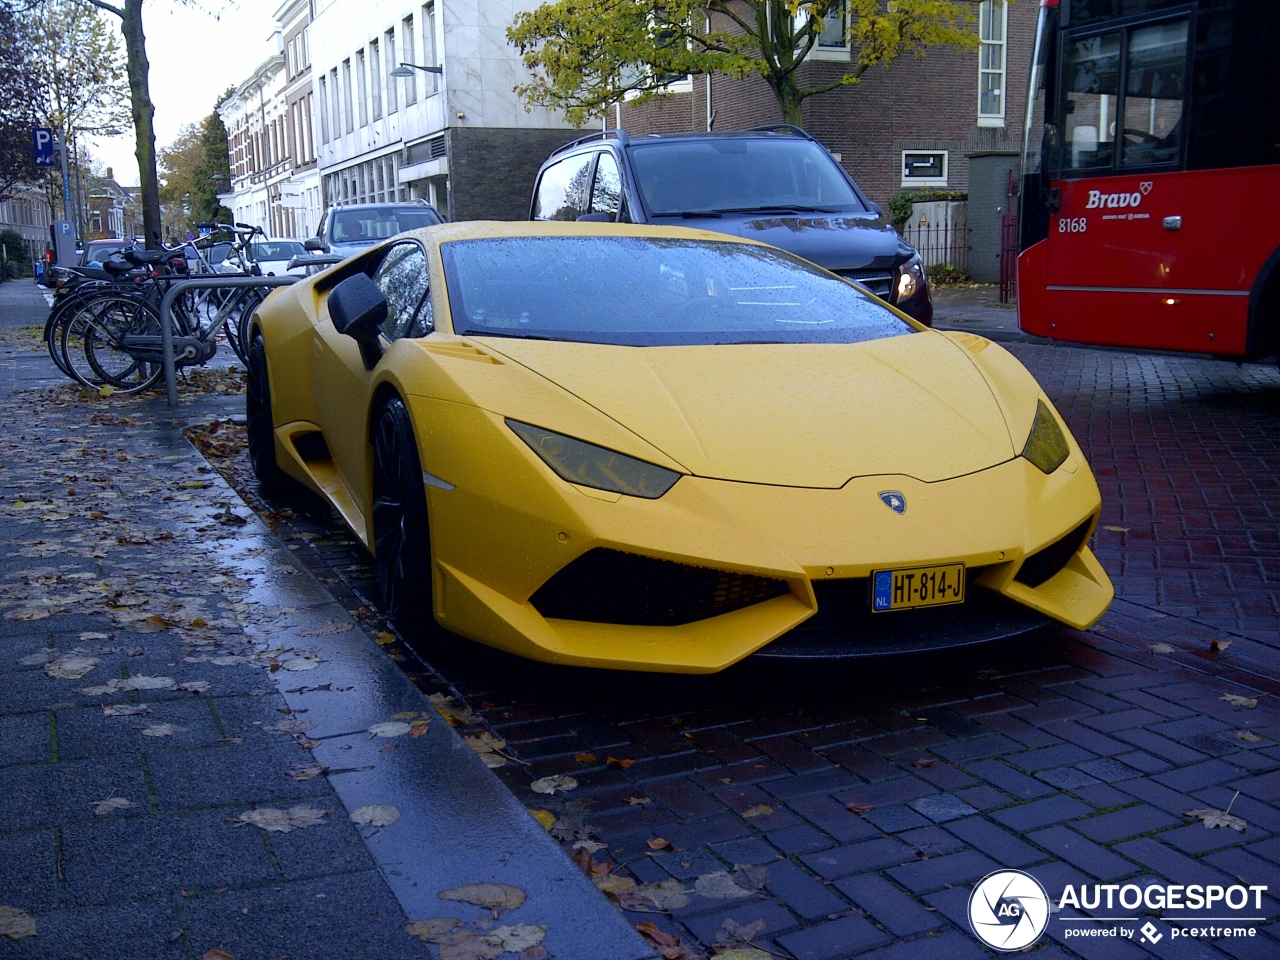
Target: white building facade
253, 116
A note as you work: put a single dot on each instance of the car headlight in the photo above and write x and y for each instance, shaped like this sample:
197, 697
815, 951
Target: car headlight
911, 278
597, 467
1047, 445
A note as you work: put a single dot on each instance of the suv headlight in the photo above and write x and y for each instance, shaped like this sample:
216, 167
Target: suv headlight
597, 467
911, 278
1047, 445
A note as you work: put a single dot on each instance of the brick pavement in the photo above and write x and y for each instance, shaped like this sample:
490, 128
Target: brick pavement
856, 805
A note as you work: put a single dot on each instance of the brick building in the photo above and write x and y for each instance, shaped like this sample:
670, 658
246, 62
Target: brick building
916, 123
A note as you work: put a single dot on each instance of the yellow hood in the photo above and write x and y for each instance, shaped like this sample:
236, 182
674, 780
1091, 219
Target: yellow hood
804, 415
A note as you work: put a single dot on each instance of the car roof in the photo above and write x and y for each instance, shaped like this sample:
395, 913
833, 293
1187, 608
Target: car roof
782, 131
498, 229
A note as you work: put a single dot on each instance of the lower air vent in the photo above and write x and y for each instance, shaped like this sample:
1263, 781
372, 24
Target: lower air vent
607, 586
879, 282
1046, 563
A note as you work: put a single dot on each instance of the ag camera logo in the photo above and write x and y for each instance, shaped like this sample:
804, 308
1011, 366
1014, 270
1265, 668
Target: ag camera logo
1008, 910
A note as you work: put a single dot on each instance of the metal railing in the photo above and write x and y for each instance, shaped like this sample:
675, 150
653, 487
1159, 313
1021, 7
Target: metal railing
204, 283
944, 242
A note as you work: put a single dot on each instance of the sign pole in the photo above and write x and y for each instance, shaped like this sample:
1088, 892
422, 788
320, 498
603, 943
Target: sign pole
66, 175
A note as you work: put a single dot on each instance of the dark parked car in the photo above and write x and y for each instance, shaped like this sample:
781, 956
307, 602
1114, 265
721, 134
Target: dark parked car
773, 184
349, 229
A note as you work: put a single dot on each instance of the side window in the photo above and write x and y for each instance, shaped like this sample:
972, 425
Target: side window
606, 191
562, 191
402, 277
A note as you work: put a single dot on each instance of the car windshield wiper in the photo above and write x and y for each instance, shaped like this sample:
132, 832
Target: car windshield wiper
781, 208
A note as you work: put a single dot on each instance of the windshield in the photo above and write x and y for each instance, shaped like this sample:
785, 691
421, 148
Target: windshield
640, 291
278, 250
730, 175
368, 225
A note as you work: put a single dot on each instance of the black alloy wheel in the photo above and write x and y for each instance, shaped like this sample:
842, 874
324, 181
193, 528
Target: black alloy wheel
260, 426
401, 533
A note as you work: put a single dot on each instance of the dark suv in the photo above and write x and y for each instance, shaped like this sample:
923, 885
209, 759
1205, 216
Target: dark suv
773, 184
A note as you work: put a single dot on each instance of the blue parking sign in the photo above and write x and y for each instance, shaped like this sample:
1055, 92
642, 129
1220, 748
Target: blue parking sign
43, 144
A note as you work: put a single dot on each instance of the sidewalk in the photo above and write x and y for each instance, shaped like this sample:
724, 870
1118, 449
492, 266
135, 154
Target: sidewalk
200, 749
977, 309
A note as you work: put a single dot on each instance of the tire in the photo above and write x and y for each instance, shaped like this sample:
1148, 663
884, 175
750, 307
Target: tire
260, 426
91, 344
401, 531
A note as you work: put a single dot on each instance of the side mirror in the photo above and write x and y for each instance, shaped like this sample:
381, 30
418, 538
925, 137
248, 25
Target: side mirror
877, 209
314, 244
358, 310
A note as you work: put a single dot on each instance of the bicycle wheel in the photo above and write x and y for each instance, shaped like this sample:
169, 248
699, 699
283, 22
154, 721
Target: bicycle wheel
238, 323
104, 326
64, 311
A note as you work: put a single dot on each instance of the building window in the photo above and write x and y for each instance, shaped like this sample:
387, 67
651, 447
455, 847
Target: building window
429, 54
335, 106
389, 44
924, 168
993, 18
362, 88
833, 41
410, 50
375, 78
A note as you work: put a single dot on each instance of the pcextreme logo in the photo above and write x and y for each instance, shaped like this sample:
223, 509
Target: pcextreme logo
1009, 910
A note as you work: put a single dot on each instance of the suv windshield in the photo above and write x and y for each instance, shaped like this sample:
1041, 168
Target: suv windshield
739, 175
639, 291
369, 225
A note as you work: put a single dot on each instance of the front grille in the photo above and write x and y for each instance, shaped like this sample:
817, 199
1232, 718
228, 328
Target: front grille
879, 282
1046, 563
607, 586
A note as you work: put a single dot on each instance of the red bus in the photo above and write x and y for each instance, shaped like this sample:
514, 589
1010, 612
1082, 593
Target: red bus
1150, 213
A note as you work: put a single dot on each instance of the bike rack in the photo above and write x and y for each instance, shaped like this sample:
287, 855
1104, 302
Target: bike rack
212, 283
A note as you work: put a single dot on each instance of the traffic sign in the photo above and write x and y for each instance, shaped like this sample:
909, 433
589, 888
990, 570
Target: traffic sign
43, 143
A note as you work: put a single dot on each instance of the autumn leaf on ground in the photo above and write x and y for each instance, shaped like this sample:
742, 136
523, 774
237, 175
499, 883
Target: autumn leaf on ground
589, 845
290, 728
622, 764
468, 945
283, 821
616, 887
1237, 701
1247, 737
433, 931
193, 686
637, 801
375, 815
298, 664
307, 771
744, 953
668, 944
419, 728
125, 709
544, 817
497, 897
659, 843
111, 805
1217, 646
560, 783
718, 886
73, 666
1161, 648
392, 728
138, 682
519, 936
923, 763
666, 895
488, 748
1219, 818
859, 807
585, 757
456, 714
40, 658
216, 954
15, 924
759, 810
1117, 529
160, 730
331, 627
735, 934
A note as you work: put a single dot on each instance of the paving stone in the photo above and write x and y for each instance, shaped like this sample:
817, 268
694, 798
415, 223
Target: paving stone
984, 797
999, 844
1067, 778
1198, 776
1162, 747
1059, 756
895, 819
991, 745
864, 855
832, 818
896, 911
1265, 787
684, 798
898, 790
1093, 859
931, 841
25, 738
833, 939
1109, 771
776, 918
1168, 863
942, 807
55, 794
802, 894
821, 781
748, 850
926, 875
1005, 778
1041, 813
800, 838
1121, 824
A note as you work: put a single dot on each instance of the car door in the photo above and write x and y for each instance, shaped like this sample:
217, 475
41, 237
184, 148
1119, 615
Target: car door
341, 384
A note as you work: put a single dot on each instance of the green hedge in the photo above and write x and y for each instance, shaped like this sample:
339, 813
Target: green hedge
901, 204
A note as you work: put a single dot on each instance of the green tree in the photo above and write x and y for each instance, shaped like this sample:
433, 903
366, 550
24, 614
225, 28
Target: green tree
19, 104
192, 168
586, 55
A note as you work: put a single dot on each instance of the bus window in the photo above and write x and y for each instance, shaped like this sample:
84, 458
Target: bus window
1154, 93
1092, 94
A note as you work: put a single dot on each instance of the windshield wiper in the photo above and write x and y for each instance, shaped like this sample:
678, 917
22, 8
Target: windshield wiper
781, 208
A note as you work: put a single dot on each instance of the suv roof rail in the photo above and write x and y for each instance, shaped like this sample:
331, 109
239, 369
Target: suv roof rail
789, 128
616, 134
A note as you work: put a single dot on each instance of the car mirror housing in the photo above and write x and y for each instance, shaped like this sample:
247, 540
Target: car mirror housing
314, 244
358, 309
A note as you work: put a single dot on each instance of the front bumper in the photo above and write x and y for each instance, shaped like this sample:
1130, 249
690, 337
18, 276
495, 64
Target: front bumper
509, 526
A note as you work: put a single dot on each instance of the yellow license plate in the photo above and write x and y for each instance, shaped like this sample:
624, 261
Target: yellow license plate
913, 587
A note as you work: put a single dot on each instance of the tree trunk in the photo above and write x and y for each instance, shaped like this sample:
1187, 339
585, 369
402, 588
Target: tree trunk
789, 99
143, 119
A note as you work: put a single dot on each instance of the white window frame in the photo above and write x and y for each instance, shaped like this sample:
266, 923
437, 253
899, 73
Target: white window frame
841, 52
999, 9
925, 181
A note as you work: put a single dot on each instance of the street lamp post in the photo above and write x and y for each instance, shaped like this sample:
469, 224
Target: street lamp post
406, 69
